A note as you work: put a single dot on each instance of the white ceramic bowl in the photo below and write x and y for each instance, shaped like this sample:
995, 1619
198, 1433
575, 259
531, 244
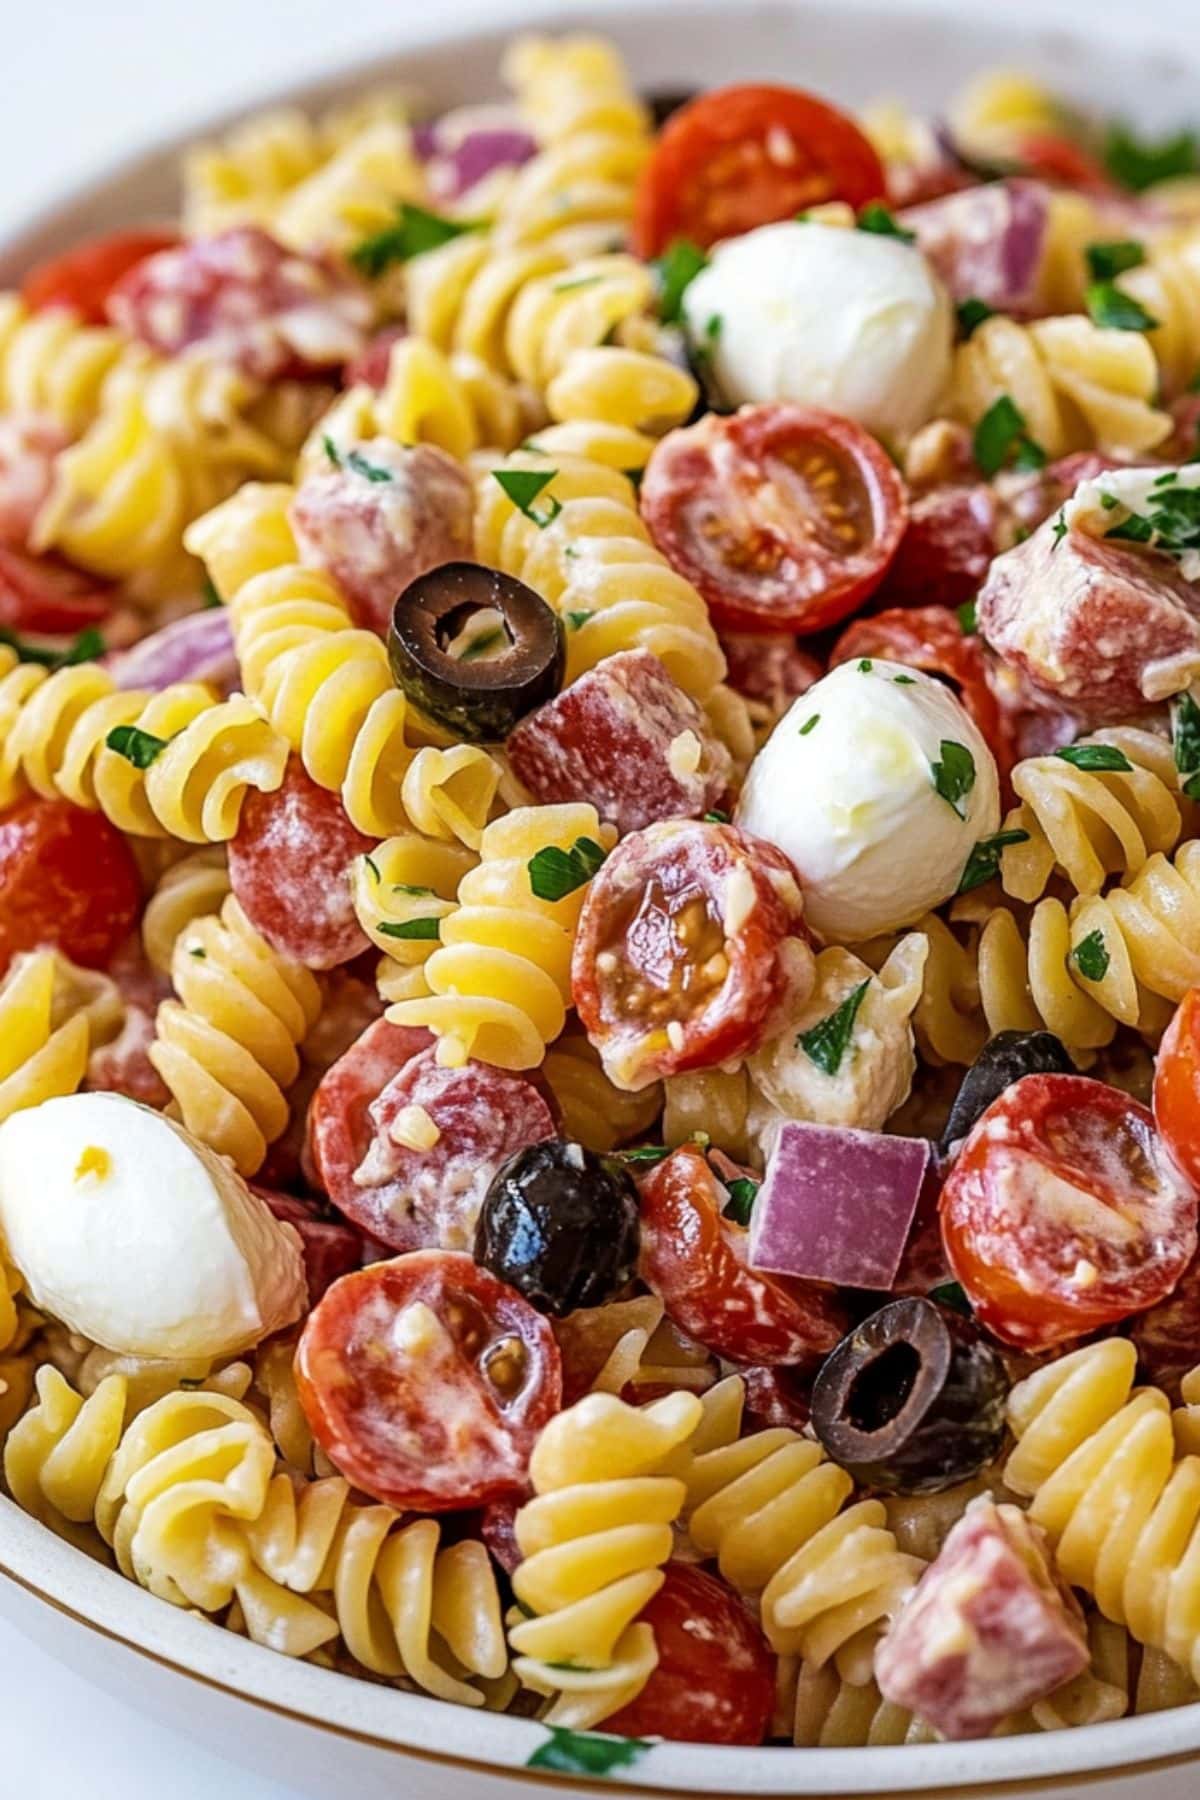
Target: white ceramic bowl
330, 1735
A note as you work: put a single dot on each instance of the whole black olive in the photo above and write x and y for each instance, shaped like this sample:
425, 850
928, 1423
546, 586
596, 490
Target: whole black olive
475, 649
665, 101
560, 1225
912, 1400
1004, 1059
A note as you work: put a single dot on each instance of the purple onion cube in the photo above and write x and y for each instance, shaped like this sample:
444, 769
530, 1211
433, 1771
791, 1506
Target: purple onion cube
837, 1205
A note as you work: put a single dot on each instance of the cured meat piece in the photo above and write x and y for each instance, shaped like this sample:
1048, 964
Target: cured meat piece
379, 516
331, 1248
247, 301
690, 945
370, 367
1101, 627
952, 536
769, 669
988, 1630
987, 243
1028, 498
39, 594
29, 444
626, 737
289, 866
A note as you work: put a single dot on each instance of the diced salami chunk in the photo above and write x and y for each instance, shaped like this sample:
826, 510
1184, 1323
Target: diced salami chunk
407, 1149
988, 1630
987, 243
39, 594
1103, 628
380, 516
124, 1067
289, 866
626, 737
952, 536
691, 944
247, 301
331, 1248
768, 668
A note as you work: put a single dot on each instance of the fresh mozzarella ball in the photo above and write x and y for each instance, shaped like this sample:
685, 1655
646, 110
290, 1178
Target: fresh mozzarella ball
127, 1230
847, 786
848, 320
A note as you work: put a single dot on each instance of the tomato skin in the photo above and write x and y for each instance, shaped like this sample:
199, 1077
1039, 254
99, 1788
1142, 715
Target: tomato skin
83, 278
1041, 1268
715, 171
1050, 156
39, 594
716, 500
403, 1404
931, 638
695, 1261
633, 924
1177, 1087
67, 878
715, 1680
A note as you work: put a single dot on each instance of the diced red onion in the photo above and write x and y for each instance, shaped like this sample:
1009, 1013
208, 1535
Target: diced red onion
198, 647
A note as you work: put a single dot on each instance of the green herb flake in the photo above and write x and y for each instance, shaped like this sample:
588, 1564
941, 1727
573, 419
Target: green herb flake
905, 680
954, 774
555, 873
1116, 311
1185, 737
716, 817
876, 219
1171, 522
487, 640
373, 866
1060, 529
419, 893
1139, 163
1001, 437
827, 1042
1091, 957
742, 1194
702, 352
1100, 759
586, 1752
1106, 261
973, 313
138, 747
579, 281
414, 232
968, 618
676, 269
812, 720
645, 1154
951, 1294
523, 486
576, 619
865, 665
983, 864
85, 648
370, 471
411, 930
199, 952
331, 450
210, 599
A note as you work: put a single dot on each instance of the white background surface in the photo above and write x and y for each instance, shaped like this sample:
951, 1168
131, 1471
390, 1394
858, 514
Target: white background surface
83, 77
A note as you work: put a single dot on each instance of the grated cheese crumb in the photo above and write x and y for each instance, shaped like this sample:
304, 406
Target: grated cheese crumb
675, 1034
414, 1129
740, 899
683, 756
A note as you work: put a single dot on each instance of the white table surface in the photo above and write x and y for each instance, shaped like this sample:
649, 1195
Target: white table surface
76, 72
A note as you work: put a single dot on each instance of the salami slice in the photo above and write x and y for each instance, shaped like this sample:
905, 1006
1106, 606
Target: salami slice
944, 555
769, 668
987, 243
331, 1248
626, 737
247, 301
379, 516
29, 444
1167, 1337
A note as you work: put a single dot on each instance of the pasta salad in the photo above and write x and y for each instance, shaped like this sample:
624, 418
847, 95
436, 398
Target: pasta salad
600, 906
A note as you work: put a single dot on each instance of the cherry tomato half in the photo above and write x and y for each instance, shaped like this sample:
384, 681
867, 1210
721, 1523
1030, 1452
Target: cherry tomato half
426, 1381
83, 278
690, 941
695, 1260
1050, 156
785, 517
289, 866
931, 638
67, 878
40, 595
1177, 1087
1062, 1213
715, 1680
740, 157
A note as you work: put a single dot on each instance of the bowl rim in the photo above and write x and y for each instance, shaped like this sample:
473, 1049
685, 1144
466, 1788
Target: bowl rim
61, 1577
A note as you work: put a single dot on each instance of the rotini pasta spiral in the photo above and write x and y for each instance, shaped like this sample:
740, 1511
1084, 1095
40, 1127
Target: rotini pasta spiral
324, 686
189, 889
593, 1541
226, 1048
1090, 824
354, 193
500, 980
1098, 1463
1168, 285
595, 1113
53, 740
771, 1508
405, 1606
403, 881
53, 366
1077, 386
39, 1059
242, 179
594, 563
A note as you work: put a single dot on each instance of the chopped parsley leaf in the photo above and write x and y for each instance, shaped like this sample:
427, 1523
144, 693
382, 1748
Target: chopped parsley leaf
555, 873
716, 817
905, 680
1106, 261
968, 618
676, 269
420, 930
578, 618
1098, 758
1091, 956
586, 1752
373, 866
951, 1294
1060, 529
1171, 522
1138, 163
954, 774
1185, 737
414, 232
85, 648
138, 747
808, 724
1116, 311
972, 313
1001, 436
865, 665
742, 1194
827, 1042
876, 218
523, 487
984, 861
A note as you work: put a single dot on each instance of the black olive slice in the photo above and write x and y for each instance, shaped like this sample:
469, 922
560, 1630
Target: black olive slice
665, 101
912, 1400
560, 1225
475, 649
1005, 1058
